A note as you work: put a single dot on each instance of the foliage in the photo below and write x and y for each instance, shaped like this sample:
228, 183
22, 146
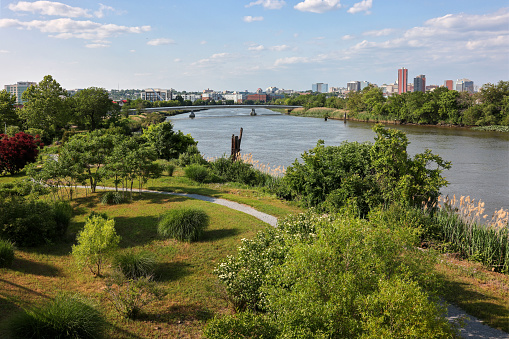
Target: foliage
341, 277
47, 106
134, 265
6, 253
167, 143
365, 175
67, 316
131, 295
109, 198
191, 156
17, 151
95, 242
169, 168
91, 105
197, 172
238, 171
243, 325
184, 224
30, 222
7, 109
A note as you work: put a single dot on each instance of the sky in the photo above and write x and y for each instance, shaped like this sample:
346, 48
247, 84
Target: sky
192, 45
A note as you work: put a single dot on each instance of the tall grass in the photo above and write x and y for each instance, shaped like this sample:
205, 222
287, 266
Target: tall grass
462, 223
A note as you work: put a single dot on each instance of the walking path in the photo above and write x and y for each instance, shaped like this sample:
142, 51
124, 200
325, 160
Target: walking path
473, 329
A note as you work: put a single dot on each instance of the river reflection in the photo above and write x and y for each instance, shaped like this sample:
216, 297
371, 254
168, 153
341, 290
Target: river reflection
480, 160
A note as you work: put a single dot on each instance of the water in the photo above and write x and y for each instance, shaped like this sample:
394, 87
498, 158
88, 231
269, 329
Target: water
480, 160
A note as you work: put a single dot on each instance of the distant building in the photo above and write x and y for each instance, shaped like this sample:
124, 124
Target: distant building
212, 96
449, 84
320, 87
420, 83
402, 80
190, 96
257, 97
364, 84
156, 94
354, 86
271, 90
18, 89
465, 85
236, 97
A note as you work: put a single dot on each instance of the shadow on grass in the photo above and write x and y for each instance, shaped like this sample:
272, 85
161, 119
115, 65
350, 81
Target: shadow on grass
3, 281
119, 332
476, 304
213, 235
179, 313
187, 189
171, 271
35, 268
136, 231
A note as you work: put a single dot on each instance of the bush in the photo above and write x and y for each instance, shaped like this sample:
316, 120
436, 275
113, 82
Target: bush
191, 156
185, 224
238, 171
67, 316
169, 168
29, 222
6, 253
197, 172
111, 197
134, 265
242, 325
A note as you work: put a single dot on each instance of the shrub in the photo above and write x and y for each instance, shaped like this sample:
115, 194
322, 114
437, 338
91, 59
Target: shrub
191, 156
196, 172
111, 197
238, 171
95, 242
242, 325
67, 316
17, 151
29, 222
170, 168
6, 253
185, 224
134, 265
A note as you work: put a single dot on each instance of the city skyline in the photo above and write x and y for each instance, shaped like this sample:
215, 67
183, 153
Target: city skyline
243, 45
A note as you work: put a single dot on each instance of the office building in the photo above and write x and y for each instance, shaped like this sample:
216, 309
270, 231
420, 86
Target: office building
157, 94
420, 83
18, 90
449, 84
320, 87
402, 80
354, 86
465, 85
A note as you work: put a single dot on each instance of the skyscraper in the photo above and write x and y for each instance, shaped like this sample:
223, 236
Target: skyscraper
465, 85
402, 80
449, 84
320, 87
18, 89
420, 83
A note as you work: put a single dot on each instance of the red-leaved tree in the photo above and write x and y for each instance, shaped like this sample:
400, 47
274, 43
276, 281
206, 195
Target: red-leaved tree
17, 151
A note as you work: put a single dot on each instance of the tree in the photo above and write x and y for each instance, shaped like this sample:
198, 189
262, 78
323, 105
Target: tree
97, 239
17, 151
47, 106
8, 115
167, 143
91, 106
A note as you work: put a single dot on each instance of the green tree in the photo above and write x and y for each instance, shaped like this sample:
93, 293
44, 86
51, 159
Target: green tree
95, 242
8, 115
373, 99
167, 143
47, 106
91, 106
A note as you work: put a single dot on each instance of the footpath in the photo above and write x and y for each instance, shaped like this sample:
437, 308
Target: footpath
473, 328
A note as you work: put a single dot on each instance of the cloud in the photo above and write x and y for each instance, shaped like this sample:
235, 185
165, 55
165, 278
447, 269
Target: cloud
499, 41
100, 13
213, 59
203, 42
97, 45
363, 6
66, 28
279, 48
347, 37
318, 6
381, 32
268, 4
132, 51
50, 8
257, 48
160, 41
250, 18
177, 60
291, 61
3, 51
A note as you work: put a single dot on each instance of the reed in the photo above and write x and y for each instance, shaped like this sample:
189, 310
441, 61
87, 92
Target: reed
462, 223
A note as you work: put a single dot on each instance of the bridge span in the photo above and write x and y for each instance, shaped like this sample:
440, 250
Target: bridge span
204, 107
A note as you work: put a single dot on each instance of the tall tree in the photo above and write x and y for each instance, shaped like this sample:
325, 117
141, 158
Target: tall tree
91, 106
47, 106
7, 110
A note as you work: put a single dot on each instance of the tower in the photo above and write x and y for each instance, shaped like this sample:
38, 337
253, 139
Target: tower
420, 83
402, 80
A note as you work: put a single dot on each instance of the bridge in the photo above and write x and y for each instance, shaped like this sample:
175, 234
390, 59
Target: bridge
204, 107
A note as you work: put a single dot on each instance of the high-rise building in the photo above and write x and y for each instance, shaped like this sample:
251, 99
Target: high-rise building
156, 94
449, 84
364, 84
465, 85
18, 89
402, 80
420, 83
354, 86
320, 87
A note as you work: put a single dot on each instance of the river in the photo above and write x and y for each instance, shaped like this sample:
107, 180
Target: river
480, 160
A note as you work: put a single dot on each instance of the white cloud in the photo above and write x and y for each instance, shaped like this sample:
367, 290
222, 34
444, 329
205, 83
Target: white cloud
268, 4
381, 32
363, 6
203, 42
279, 48
257, 48
250, 18
318, 6
100, 13
177, 60
347, 37
160, 41
3, 51
50, 8
499, 41
66, 28
213, 59
291, 61
132, 51
97, 45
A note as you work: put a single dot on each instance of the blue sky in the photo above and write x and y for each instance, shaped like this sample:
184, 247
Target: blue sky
246, 44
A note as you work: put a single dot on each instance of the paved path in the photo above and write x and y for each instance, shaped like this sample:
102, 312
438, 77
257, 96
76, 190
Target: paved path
473, 329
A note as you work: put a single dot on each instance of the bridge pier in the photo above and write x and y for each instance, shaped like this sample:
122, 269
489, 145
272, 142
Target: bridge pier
253, 112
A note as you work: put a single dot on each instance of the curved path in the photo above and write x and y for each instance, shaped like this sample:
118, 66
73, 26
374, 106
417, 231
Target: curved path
474, 328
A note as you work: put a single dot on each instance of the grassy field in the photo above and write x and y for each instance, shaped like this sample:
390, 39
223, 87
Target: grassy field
185, 271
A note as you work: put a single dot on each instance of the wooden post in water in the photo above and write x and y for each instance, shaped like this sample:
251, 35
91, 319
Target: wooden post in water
236, 145
344, 117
